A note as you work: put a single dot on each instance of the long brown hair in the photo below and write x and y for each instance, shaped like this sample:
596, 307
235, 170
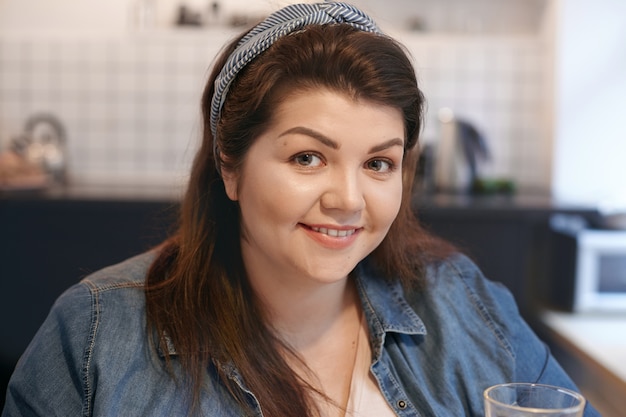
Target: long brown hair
197, 291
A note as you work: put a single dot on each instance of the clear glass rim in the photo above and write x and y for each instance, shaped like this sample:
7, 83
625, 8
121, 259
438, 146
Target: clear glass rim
578, 396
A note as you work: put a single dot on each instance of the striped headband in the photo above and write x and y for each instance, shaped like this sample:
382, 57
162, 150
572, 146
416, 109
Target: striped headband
281, 23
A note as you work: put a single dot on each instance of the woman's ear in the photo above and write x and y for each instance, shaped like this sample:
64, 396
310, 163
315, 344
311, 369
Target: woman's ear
230, 179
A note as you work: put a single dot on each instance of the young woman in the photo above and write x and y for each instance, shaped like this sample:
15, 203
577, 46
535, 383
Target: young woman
299, 282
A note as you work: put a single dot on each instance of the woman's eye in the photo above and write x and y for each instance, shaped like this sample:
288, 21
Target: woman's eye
380, 165
308, 160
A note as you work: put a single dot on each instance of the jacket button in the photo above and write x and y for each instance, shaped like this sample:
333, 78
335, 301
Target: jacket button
402, 404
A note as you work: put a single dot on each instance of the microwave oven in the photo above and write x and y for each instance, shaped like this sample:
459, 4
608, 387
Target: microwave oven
588, 269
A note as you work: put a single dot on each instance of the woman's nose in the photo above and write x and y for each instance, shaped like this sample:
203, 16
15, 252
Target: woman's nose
344, 192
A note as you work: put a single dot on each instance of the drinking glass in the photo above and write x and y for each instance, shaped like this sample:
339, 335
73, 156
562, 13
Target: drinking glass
532, 400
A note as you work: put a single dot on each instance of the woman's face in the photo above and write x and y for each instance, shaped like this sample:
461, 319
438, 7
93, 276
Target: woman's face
319, 189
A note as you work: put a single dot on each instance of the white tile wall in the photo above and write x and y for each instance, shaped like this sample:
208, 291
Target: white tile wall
131, 105
496, 83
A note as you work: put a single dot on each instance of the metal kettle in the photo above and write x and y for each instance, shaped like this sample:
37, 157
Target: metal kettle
459, 150
43, 144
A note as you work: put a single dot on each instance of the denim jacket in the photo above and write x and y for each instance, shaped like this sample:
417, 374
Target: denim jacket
433, 351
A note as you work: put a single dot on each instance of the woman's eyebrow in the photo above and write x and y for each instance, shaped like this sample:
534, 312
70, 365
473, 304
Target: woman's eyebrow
386, 145
335, 145
313, 134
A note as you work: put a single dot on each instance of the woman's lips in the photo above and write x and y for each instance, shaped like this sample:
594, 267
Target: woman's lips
332, 237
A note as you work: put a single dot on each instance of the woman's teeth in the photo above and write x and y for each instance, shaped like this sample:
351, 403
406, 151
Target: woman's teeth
334, 232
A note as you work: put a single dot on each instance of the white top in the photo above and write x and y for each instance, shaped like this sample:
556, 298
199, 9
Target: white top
365, 399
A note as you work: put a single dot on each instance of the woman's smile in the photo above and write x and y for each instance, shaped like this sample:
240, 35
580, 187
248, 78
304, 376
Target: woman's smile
332, 237
334, 232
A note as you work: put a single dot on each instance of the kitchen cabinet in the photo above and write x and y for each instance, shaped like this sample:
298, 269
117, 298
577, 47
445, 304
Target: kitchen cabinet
48, 243
508, 236
50, 240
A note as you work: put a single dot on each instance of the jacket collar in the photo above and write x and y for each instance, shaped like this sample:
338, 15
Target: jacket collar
385, 306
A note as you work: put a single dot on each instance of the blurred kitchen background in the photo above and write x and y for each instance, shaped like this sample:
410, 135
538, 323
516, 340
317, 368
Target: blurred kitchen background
542, 80
524, 147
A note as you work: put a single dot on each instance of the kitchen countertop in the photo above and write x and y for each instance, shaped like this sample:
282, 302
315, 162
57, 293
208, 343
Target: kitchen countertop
99, 192
592, 348
529, 201
533, 202
599, 337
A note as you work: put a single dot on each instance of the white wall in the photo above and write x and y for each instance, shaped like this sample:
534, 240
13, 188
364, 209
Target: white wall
108, 17
51, 17
129, 98
83, 17
590, 117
